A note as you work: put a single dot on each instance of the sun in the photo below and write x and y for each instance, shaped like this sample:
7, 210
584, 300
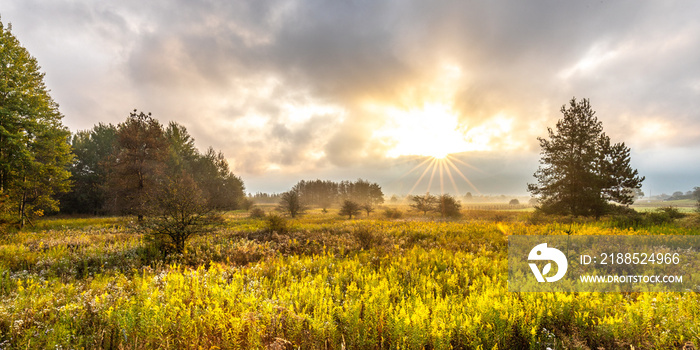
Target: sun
437, 154
431, 130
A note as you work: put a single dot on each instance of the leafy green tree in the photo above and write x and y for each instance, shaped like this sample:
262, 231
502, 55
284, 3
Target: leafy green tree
137, 163
223, 189
34, 149
448, 206
182, 153
424, 203
580, 170
290, 202
350, 208
92, 149
696, 195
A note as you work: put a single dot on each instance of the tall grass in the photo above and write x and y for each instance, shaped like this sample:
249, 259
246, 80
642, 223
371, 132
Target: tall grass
327, 283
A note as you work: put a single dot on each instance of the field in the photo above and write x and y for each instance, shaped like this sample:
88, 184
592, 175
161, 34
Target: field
326, 283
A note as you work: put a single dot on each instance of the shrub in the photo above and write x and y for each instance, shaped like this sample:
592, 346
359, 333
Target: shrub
514, 201
366, 237
392, 213
671, 211
256, 213
277, 223
448, 206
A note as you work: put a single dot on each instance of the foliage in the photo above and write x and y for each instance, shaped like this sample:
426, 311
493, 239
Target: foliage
122, 165
223, 189
361, 191
696, 195
448, 206
277, 224
178, 210
34, 151
318, 192
137, 164
324, 194
92, 149
368, 208
424, 203
392, 213
350, 209
290, 203
256, 213
514, 201
580, 170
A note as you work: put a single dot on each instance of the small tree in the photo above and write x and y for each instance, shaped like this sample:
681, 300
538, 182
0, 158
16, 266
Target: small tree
350, 209
448, 206
424, 203
696, 194
178, 211
580, 170
514, 201
291, 203
368, 208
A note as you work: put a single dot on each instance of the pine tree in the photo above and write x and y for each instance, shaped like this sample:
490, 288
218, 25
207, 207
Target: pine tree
34, 149
580, 170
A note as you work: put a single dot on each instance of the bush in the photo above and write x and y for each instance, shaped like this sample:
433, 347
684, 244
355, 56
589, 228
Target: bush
626, 217
277, 223
392, 213
671, 211
514, 201
448, 206
366, 237
256, 213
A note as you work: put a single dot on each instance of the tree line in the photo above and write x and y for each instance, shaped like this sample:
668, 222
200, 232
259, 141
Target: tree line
122, 169
324, 194
117, 169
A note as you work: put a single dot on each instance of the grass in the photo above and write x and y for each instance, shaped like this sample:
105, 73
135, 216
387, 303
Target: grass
370, 283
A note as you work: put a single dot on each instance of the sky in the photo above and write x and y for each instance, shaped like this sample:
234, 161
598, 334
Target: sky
292, 89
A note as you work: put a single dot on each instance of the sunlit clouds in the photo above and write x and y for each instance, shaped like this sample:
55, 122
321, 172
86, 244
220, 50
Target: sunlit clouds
291, 89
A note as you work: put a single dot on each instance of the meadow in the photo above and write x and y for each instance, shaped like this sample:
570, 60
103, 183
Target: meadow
318, 282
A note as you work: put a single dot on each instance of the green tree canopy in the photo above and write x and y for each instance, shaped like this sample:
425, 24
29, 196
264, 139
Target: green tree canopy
350, 209
92, 149
580, 170
34, 149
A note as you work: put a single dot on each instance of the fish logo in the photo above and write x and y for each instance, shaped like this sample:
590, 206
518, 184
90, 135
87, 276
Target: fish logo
542, 252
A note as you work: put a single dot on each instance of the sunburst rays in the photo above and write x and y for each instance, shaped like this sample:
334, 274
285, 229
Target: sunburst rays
440, 167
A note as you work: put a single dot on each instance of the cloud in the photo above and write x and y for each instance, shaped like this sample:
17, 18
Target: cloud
284, 85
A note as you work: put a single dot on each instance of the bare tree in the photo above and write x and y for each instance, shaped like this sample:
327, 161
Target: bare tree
178, 210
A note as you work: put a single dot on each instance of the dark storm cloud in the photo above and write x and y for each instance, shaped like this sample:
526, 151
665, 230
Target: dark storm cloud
230, 70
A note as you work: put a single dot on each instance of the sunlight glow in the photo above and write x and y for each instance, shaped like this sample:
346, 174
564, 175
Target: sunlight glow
441, 167
432, 130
